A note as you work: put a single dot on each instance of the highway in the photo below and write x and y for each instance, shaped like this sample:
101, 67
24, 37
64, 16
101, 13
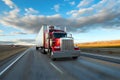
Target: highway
33, 65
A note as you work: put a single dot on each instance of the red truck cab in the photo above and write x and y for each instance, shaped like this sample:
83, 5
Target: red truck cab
58, 45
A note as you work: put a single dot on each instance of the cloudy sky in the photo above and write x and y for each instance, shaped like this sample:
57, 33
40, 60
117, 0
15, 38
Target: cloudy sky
87, 20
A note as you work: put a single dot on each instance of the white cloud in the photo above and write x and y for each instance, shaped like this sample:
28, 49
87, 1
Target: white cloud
102, 14
12, 33
19, 33
6, 42
13, 13
9, 3
81, 12
72, 3
18, 42
31, 23
101, 7
84, 3
30, 11
6, 35
1, 31
56, 7
24, 41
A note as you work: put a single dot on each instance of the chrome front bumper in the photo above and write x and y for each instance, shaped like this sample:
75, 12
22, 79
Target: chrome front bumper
62, 54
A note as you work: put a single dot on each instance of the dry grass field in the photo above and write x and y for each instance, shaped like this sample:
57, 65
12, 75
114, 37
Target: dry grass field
113, 44
111, 48
7, 51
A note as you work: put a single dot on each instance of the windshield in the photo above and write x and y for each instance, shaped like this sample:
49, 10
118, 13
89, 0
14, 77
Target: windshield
59, 35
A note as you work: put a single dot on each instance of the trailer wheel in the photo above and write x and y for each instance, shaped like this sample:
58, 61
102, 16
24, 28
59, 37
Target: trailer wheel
75, 57
43, 51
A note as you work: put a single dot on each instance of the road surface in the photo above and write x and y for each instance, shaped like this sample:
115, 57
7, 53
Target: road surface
32, 65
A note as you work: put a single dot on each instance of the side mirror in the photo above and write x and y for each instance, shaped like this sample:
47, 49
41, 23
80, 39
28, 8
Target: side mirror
69, 35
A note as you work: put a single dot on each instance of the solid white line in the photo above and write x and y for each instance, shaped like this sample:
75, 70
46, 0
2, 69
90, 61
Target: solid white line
56, 67
4, 70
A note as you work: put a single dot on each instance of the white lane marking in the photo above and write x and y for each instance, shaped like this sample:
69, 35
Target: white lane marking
56, 67
102, 55
4, 70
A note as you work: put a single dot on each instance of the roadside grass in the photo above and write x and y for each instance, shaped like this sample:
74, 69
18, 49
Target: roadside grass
100, 44
87, 46
111, 51
8, 51
111, 48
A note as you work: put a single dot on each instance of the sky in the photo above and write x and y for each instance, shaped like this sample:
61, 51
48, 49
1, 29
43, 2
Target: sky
87, 20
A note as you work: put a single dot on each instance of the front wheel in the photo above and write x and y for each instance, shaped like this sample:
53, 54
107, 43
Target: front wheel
50, 55
75, 57
37, 48
53, 59
49, 52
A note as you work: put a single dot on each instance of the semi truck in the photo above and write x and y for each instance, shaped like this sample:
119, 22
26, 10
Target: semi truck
56, 43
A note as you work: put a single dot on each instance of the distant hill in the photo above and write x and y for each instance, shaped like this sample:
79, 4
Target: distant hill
112, 43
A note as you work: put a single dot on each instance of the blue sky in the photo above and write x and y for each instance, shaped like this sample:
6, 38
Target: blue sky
87, 20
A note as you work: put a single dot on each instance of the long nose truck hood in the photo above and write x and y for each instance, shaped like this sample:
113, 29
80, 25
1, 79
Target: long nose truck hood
67, 49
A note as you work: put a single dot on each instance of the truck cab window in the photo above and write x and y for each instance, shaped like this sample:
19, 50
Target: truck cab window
59, 35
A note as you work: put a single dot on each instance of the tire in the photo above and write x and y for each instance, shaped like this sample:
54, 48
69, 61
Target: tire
50, 55
37, 48
43, 51
53, 59
49, 52
75, 57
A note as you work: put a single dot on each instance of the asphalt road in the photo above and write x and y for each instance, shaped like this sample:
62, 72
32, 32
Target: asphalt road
36, 66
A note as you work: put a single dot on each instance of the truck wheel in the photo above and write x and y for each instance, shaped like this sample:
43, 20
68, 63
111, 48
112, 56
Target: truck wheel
53, 59
50, 55
43, 51
37, 48
49, 52
75, 57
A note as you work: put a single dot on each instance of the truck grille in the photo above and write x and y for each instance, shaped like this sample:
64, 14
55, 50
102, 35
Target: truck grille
67, 44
